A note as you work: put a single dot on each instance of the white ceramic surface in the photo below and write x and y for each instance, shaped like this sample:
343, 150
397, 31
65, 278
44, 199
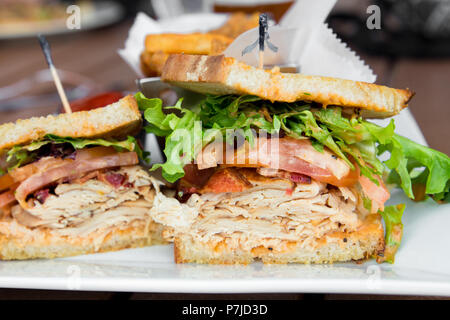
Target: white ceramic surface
422, 265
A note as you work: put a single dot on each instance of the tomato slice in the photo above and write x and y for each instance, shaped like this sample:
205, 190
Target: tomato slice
6, 181
347, 181
196, 178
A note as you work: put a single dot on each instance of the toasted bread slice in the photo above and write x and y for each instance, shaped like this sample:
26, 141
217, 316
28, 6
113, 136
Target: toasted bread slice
40, 243
193, 43
117, 121
237, 23
364, 243
224, 75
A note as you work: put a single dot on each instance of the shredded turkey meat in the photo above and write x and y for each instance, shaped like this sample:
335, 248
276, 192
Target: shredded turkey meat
79, 208
273, 209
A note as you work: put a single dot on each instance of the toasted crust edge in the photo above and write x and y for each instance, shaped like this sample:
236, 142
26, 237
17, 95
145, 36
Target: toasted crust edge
364, 243
225, 75
192, 43
117, 121
43, 244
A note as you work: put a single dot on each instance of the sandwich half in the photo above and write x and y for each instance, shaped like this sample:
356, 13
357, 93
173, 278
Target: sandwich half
283, 168
71, 184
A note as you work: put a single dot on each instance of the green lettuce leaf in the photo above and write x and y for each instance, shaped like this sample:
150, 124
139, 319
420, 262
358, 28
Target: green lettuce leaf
412, 164
350, 138
18, 156
179, 133
129, 144
392, 216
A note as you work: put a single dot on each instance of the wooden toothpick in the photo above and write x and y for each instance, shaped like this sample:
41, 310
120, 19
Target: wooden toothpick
48, 57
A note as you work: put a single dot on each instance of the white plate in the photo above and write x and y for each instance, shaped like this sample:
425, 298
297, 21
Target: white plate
422, 265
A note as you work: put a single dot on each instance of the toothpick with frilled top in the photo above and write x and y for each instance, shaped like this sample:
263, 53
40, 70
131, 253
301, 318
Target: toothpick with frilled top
262, 40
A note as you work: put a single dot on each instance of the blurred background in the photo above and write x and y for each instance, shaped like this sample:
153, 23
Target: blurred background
411, 49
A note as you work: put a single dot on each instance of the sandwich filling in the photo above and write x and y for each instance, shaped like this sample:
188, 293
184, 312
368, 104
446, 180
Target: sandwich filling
282, 176
74, 188
274, 213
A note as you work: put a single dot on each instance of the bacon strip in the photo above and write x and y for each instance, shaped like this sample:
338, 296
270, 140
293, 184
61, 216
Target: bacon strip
226, 180
294, 177
114, 179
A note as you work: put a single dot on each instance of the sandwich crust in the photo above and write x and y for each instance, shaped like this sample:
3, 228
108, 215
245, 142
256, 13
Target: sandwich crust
116, 121
363, 243
81, 218
42, 243
158, 47
225, 75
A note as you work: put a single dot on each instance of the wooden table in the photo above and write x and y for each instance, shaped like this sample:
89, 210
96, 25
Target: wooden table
94, 55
